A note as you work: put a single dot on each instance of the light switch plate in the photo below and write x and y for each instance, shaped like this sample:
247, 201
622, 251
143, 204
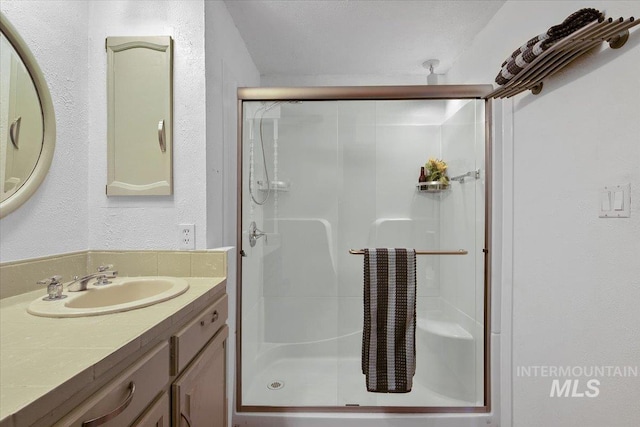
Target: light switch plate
615, 201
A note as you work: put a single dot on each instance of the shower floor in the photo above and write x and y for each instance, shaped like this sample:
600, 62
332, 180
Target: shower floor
327, 381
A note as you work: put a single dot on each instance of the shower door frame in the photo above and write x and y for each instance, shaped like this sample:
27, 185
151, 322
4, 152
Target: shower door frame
369, 93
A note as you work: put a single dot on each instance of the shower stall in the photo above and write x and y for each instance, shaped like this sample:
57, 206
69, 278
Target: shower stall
324, 173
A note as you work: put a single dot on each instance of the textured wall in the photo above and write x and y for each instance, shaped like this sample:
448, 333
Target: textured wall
70, 211
228, 66
575, 278
55, 219
150, 222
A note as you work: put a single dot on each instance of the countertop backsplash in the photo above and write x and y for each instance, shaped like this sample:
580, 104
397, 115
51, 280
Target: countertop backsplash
18, 277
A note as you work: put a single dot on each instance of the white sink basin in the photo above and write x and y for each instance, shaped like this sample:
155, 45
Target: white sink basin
125, 293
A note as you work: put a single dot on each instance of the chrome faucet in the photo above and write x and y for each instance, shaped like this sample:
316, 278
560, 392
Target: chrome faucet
103, 275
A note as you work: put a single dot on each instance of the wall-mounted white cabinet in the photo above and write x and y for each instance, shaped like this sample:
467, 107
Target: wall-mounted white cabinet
140, 122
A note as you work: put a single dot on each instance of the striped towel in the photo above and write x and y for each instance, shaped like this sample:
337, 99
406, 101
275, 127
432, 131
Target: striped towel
388, 337
526, 53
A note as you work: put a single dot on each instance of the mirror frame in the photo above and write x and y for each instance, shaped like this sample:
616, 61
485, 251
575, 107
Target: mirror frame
41, 168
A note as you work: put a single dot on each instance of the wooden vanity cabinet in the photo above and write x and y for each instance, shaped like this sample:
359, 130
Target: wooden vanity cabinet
199, 397
179, 381
199, 359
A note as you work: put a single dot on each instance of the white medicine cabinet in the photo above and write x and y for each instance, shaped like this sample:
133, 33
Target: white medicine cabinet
140, 119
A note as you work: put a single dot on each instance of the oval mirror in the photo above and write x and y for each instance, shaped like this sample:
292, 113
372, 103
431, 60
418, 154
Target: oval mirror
27, 121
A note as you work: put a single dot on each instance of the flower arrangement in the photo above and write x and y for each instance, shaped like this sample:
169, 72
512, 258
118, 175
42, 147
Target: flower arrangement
437, 171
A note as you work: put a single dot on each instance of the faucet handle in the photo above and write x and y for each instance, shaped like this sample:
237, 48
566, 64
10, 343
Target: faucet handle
53, 280
105, 267
103, 279
54, 287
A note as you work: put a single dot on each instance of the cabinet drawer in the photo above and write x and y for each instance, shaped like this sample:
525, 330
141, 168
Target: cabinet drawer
121, 401
189, 340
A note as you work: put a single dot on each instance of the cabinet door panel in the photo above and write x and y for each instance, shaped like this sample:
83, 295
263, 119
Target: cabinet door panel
139, 115
199, 394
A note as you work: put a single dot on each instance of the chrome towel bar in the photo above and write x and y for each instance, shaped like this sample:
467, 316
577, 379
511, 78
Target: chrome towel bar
458, 252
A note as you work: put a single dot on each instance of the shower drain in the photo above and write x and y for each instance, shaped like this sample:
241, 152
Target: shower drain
275, 385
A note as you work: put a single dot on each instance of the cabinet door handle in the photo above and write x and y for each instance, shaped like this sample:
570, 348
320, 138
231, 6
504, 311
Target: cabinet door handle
161, 136
186, 418
14, 132
111, 415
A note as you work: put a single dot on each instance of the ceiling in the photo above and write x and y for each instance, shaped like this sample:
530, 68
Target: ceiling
374, 37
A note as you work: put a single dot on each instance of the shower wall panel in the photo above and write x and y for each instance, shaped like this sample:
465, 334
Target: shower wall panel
462, 226
458, 211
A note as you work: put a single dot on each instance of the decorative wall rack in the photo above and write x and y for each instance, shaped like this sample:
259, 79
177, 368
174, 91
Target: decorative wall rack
613, 31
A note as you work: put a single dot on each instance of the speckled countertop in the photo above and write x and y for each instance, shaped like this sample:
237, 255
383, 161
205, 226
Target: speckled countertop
44, 361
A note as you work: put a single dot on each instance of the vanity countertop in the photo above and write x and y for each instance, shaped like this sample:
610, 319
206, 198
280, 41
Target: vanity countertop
44, 361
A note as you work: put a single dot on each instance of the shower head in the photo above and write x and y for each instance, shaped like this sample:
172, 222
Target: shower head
430, 64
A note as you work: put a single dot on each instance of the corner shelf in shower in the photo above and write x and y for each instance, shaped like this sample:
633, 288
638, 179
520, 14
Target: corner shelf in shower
432, 187
613, 31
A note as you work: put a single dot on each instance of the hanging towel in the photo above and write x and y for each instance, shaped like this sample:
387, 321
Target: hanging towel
388, 336
525, 54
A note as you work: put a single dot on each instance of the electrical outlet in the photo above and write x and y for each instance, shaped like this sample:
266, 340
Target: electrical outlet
186, 237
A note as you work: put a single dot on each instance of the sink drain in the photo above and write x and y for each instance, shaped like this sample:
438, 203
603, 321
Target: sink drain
275, 385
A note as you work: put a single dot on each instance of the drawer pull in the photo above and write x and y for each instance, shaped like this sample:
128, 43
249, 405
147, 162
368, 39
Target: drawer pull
214, 317
186, 418
111, 415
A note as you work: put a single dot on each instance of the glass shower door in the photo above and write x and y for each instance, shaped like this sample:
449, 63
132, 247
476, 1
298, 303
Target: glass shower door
289, 276
323, 177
